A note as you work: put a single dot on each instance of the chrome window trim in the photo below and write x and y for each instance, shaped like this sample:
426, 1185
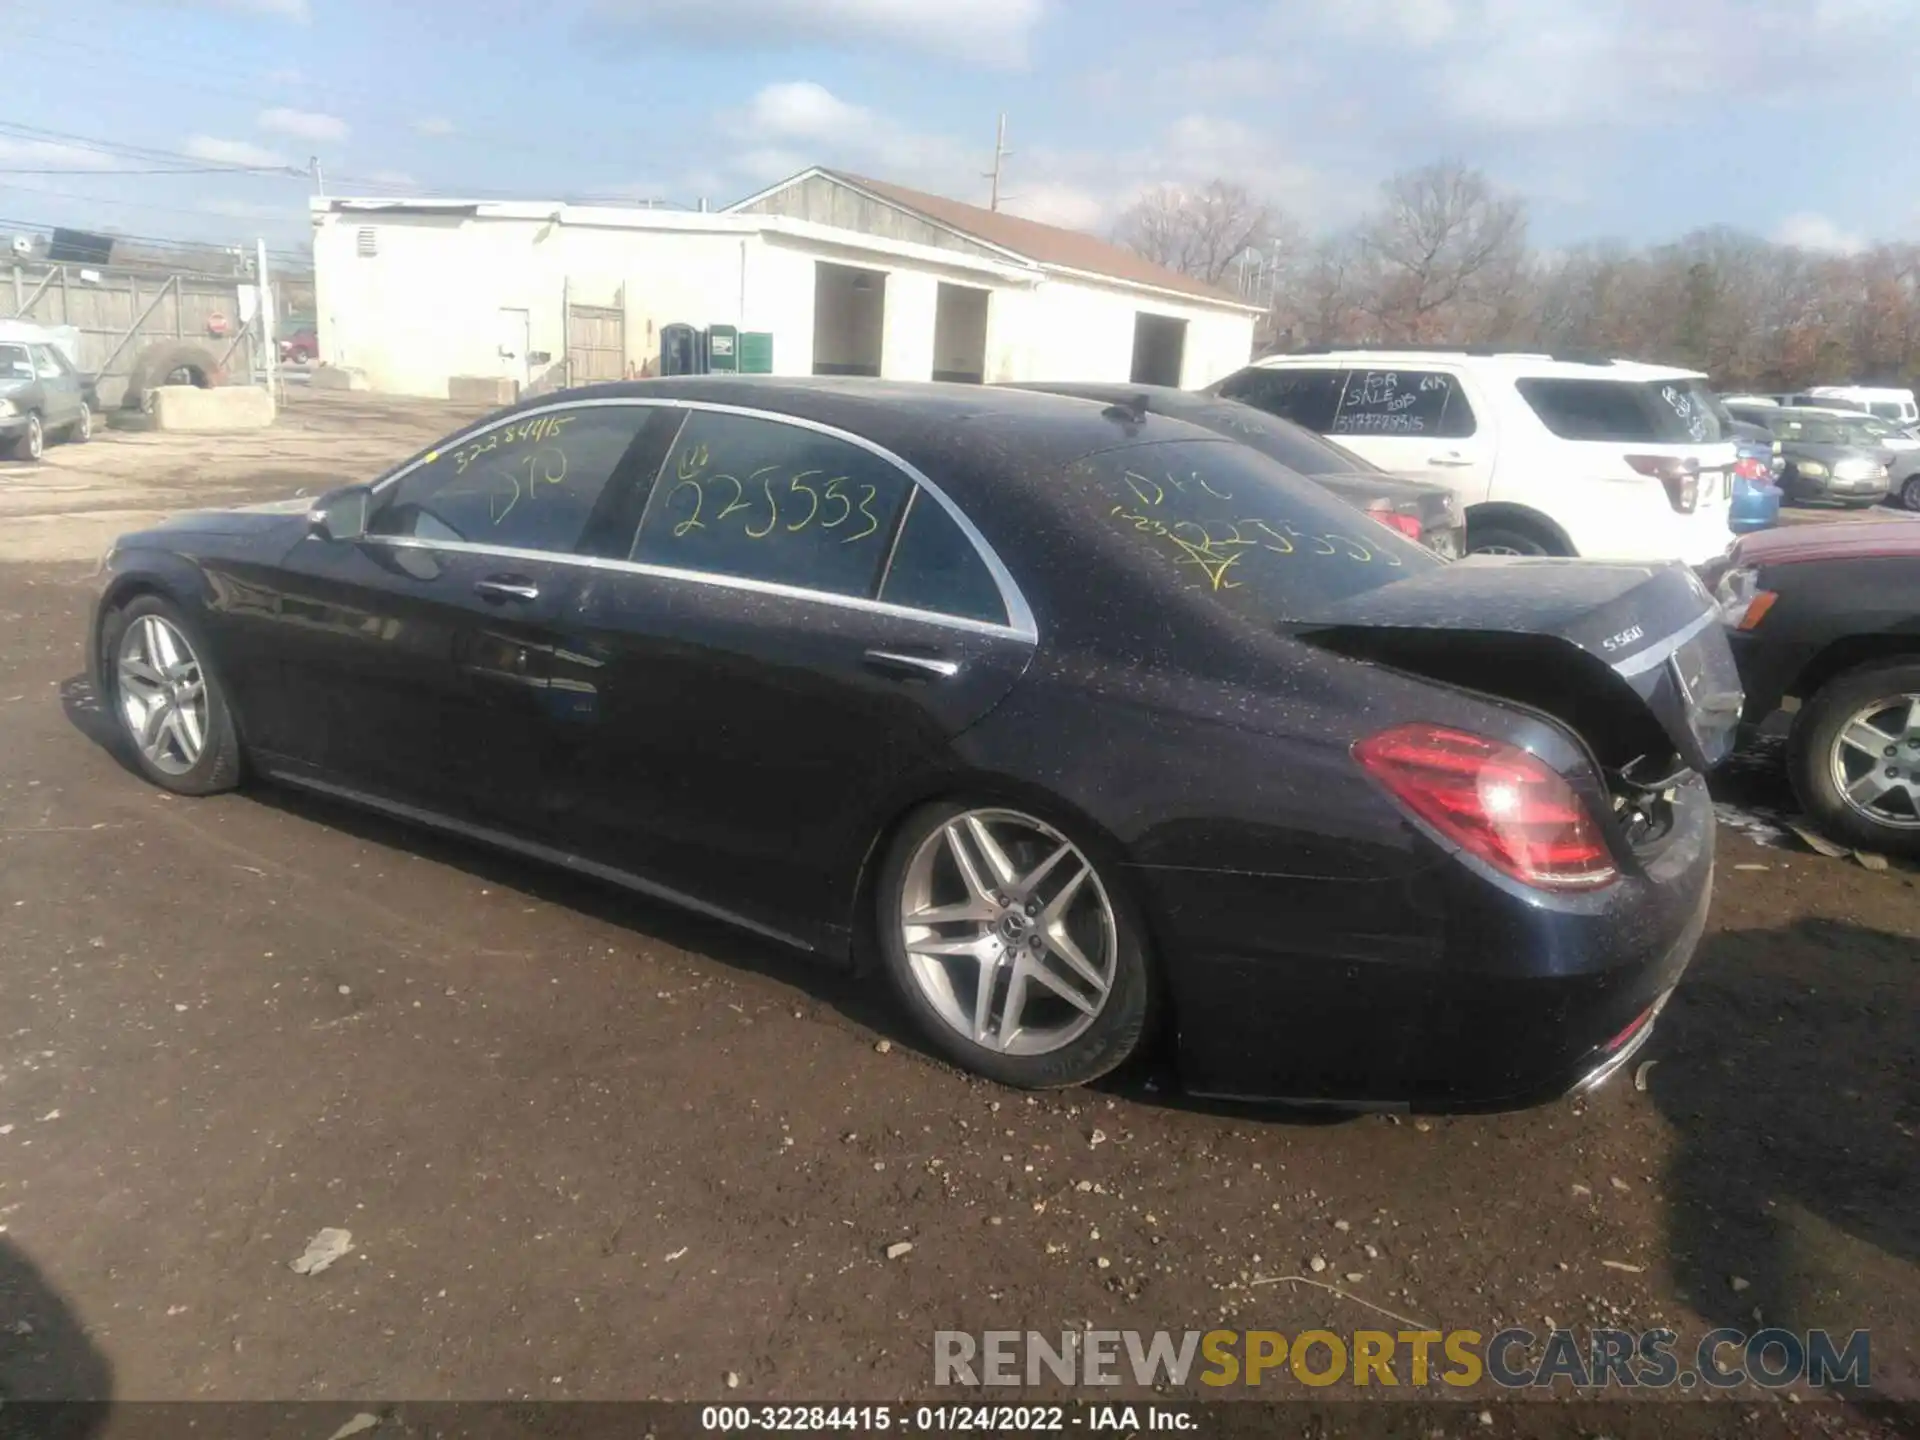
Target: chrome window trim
1020, 618
700, 577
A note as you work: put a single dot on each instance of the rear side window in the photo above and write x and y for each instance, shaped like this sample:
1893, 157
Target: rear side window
1886, 409
765, 500
936, 567
1223, 521
1403, 402
1306, 397
1666, 412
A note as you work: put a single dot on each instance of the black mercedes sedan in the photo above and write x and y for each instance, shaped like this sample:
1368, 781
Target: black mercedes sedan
1075, 724
1419, 509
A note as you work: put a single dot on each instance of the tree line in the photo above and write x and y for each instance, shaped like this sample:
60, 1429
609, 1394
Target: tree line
1445, 258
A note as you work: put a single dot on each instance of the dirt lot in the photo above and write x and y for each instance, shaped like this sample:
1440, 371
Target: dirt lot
587, 1148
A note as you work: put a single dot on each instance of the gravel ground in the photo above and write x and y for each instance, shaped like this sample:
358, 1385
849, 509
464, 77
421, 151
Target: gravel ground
587, 1148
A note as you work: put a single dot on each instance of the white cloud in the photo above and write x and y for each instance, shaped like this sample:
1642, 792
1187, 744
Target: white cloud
397, 179
50, 155
282, 9
285, 75
792, 124
248, 209
303, 124
1811, 231
1414, 23
1065, 205
433, 125
232, 152
993, 33
803, 110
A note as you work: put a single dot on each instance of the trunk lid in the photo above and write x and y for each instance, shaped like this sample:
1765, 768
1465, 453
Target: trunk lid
1630, 655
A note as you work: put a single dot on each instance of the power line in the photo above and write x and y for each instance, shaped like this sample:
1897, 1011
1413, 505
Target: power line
114, 174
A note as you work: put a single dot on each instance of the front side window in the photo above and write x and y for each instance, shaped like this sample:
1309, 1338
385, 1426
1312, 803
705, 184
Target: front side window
765, 500
15, 363
1412, 403
1305, 396
531, 482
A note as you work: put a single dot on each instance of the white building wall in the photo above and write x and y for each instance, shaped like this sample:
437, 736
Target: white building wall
1083, 330
427, 305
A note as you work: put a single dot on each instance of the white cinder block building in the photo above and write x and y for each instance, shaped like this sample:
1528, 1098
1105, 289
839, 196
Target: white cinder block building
847, 276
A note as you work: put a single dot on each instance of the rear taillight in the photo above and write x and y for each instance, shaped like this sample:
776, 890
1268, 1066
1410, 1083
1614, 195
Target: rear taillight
1681, 478
1754, 471
1495, 801
1407, 525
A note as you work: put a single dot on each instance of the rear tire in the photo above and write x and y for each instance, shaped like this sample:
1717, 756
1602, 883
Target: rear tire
1910, 493
1823, 763
1505, 540
160, 687
81, 431
1064, 914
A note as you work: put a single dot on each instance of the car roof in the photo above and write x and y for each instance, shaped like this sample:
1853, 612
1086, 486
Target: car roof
922, 422
1518, 365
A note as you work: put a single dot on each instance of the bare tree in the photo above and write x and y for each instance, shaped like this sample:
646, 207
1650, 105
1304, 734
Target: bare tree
1443, 252
1202, 233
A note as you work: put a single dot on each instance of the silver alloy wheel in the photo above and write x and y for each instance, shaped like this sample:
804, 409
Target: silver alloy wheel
1876, 762
83, 427
163, 694
36, 438
1910, 493
1008, 932
1495, 550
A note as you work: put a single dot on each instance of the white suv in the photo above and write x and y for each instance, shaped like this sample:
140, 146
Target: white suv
1609, 460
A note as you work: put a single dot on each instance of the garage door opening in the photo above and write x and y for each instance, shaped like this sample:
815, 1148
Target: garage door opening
960, 335
849, 314
1159, 348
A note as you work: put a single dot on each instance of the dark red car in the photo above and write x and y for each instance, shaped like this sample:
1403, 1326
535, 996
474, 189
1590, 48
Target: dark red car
300, 348
1829, 615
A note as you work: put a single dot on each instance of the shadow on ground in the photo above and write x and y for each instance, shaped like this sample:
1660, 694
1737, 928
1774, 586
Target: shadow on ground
45, 1355
1792, 1078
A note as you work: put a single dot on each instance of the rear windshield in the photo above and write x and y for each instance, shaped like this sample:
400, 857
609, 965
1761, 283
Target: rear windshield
1888, 409
1281, 440
1224, 521
1646, 412
1819, 430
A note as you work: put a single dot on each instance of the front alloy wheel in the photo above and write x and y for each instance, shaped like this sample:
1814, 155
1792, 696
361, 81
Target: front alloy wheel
1854, 757
1010, 948
1910, 492
163, 695
170, 705
1875, 762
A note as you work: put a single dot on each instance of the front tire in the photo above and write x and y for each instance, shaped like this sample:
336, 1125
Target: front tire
1854, 757
32, 442
1503, 540
1910, 493
1018, 956
167, 700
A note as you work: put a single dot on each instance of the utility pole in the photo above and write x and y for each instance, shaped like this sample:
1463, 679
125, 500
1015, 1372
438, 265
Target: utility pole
319, 176
1000, 153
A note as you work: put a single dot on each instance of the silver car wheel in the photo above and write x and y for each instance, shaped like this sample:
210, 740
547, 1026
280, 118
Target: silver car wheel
1875, 762
1910, 493
1008, 931
163, 695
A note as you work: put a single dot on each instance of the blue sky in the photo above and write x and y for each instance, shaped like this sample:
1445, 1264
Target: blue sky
1628, 119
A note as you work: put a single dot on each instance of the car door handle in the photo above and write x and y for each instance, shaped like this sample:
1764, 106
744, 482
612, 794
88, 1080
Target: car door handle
496, 588
1451, 458
901, 666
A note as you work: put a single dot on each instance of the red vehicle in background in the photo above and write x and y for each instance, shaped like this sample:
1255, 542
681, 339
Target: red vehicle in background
300, 348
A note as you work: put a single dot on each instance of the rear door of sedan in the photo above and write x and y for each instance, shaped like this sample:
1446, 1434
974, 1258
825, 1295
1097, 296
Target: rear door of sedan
784, 644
